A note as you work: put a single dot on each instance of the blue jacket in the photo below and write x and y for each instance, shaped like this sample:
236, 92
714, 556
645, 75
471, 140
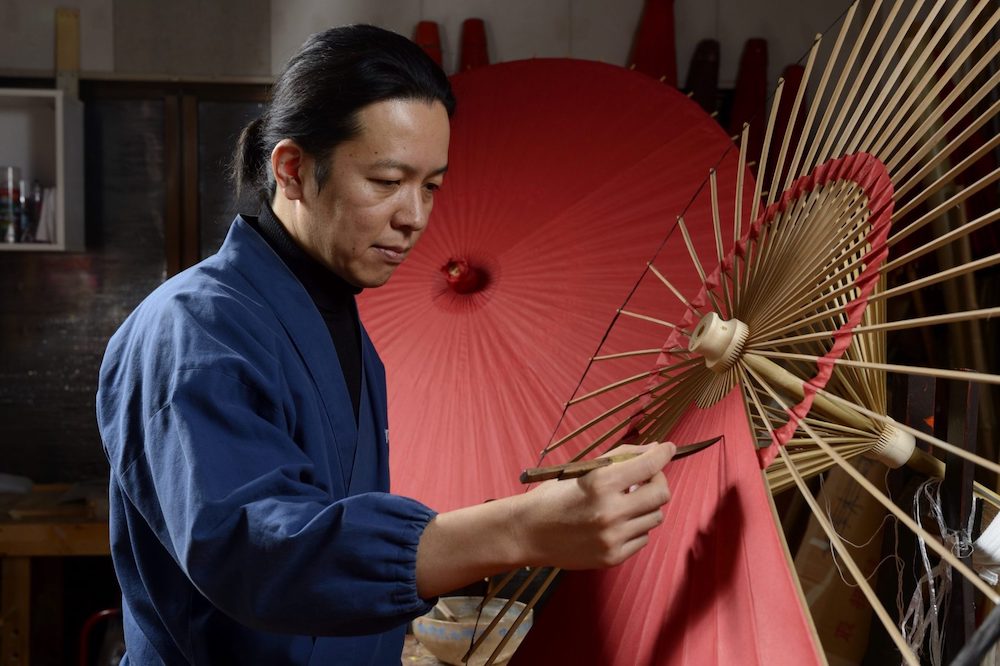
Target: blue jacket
250, 520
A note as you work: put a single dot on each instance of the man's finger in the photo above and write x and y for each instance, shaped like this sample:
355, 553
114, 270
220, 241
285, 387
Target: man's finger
641, 468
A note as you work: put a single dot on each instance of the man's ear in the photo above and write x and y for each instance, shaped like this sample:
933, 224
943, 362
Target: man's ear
287, 161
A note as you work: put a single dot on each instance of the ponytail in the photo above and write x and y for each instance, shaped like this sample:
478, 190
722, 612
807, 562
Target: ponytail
249, 168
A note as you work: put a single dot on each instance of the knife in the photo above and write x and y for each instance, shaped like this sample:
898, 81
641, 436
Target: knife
581, 467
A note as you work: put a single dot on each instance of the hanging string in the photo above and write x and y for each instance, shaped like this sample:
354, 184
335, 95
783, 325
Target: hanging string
922, 620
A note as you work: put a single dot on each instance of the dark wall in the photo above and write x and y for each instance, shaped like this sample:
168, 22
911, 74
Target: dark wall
57, 310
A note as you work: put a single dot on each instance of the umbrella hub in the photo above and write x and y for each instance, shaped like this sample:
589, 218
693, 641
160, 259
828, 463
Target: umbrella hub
719, 341
464, 278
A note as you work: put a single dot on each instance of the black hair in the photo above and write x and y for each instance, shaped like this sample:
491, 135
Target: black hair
316, 100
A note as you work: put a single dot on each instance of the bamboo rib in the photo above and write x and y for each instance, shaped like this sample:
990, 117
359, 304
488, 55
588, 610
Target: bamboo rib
673, 289
852, 134
942, 208
936, 278
930, 439
944, 153
654, 320
916, 103
877, 117
808, 164
741, 167
807, 124
717, 228
629, 380
784, 235
800, 94
889, 505
845, 103
981, 377
888, 143
768, 133
943, 240
696, 261
898, 325
837, 543
521, 617
628, 354
805, 287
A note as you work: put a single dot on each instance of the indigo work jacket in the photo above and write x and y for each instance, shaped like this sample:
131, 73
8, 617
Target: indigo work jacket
250, 516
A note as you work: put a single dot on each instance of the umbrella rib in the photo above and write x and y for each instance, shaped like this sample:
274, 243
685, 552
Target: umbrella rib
888, 504
629, 380
863, 111
890, 140
930, 439
636, 352
943, 240
717, 228
835, 96
738, 210
945, 206
790, 127
846, 102
673, 289
942, 276
981, 377
654, 320
697, 262
902, 324
765, 149
935, 162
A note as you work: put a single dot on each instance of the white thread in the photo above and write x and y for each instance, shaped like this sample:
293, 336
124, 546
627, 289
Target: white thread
923, 620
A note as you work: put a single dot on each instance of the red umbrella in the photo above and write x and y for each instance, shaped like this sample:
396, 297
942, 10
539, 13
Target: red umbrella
564, 178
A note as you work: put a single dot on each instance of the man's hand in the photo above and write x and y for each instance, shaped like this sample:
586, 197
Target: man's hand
597, 520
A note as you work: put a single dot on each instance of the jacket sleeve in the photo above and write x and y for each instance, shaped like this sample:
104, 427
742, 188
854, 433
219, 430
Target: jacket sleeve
233, 499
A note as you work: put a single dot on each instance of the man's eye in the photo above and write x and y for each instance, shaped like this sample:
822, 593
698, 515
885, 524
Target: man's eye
385, 183
433, 187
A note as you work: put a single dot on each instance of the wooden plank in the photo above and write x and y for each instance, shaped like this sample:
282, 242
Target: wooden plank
54, 538
15, 606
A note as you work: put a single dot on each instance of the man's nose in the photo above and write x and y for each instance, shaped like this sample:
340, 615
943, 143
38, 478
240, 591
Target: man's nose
413, 211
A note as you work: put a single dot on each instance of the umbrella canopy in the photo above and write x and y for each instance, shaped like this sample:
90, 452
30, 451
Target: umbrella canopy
564, 178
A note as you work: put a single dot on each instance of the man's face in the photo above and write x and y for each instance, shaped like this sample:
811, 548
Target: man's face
379, 193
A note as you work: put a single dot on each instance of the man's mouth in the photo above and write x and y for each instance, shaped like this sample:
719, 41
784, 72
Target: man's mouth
392, 254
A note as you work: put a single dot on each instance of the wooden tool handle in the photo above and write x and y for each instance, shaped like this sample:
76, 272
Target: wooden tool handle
573, 469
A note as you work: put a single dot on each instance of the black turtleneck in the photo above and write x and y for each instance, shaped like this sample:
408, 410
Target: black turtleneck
333, 296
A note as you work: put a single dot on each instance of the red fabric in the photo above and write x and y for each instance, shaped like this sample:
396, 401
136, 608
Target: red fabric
711, 587
564, 178
474, 51
654, 51
428, 37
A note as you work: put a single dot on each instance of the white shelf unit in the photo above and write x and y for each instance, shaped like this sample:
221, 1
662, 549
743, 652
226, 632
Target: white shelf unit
41, 133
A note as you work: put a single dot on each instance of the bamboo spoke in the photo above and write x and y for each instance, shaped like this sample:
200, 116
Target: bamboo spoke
930, 439
935, 278
673, 289
941, 241
889, 505
981, 377
628, 354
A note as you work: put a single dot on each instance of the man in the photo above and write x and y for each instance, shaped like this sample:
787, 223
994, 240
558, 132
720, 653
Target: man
243, 409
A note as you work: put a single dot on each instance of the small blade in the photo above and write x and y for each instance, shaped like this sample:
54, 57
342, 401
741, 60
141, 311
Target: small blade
580, 467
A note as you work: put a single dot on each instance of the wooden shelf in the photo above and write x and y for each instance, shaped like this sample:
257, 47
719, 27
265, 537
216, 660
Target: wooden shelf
41, 133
